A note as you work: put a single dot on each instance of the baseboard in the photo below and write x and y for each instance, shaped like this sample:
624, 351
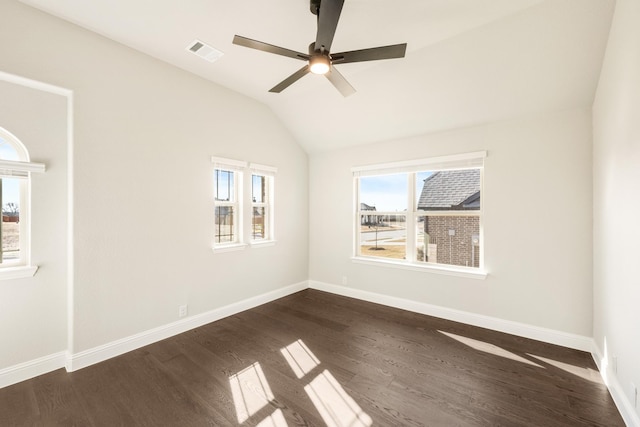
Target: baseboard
564, 339
33, 368
107, 351
627, 411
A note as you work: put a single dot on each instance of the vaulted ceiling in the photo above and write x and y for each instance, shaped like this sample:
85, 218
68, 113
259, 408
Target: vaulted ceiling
467, 61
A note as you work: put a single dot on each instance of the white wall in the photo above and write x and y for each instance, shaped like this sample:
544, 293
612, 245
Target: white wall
537, 222
32, 310
144, 134
616, 165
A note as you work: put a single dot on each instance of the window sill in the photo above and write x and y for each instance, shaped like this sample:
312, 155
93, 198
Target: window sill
229, 248
472, 273
9, 273
263, 243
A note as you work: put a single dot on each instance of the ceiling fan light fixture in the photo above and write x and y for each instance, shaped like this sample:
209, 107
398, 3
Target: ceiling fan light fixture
319, 60
319, 64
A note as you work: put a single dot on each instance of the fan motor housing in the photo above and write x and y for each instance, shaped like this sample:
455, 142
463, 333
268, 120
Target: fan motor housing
314, 6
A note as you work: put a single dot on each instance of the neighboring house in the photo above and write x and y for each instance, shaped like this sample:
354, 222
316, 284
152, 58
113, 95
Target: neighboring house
10, 211
452, 190
10, 217
367, 219
451, 239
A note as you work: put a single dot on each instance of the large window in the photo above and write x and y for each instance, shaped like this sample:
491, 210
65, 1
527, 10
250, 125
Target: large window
15, 176
422, 213
232, 203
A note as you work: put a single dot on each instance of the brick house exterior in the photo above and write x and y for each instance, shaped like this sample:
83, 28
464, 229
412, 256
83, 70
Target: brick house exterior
451, 239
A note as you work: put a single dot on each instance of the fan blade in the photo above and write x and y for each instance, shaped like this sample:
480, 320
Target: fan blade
340, 82
265, 47
290, 80
328, 17
372, 54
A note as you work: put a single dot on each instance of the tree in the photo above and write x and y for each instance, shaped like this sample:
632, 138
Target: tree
11, 209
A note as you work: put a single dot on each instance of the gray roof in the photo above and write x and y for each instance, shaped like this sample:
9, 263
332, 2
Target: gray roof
366, 207
454, 189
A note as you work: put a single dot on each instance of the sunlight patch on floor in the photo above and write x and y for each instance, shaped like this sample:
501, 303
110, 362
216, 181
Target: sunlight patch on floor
274, 420
489, 348
335, 406
300, 358
584, 373
250, 391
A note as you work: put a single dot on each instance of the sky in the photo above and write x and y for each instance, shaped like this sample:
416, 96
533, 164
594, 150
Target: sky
224, 189
223, 181
388, 193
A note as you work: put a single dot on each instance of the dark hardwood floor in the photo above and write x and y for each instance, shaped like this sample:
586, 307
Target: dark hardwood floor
314, 358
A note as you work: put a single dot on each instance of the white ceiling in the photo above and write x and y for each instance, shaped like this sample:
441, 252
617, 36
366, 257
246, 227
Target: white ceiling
467, 61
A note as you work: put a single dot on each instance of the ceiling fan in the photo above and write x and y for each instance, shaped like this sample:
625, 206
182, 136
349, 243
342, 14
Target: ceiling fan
320, 60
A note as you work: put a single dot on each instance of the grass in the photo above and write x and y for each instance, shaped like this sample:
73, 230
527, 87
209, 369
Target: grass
392, 251
10, 236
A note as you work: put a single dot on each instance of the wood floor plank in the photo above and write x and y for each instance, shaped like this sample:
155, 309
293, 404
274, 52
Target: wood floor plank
58, 404
103, 398
18, 405
314, 359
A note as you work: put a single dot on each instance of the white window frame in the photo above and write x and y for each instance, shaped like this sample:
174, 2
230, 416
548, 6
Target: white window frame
473, 160
243, 204
269, 173
237, 168
21, 170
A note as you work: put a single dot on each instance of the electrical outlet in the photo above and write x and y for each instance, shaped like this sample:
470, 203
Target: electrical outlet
634, 395
614, 364
182, 310
344, 280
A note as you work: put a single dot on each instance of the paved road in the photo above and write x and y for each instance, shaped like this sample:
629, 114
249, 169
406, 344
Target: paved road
385, 237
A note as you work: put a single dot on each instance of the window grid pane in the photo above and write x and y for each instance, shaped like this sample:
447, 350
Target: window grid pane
258, 188
225, 227
259, 223
448, 239
385, 193
224, 185
383, 235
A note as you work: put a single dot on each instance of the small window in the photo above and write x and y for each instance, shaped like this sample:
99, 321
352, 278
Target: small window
262, 186
231, 204
259, 208
423, 213
227, 193
15, 176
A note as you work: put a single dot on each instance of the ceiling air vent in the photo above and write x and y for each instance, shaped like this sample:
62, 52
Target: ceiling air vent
204, 51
